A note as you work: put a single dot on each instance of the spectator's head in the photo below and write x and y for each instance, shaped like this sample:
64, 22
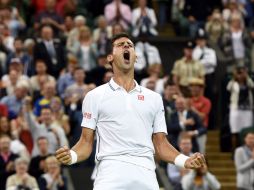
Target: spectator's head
185, 144
5, 143
14, 76
249, 139
43, 145
117, 29
236, 21
21, 90
142, 3
52, 165
21, 166
47, 33
196, 87
79, 75
50, 5
102, 22
180, 103
18, 45
4, 125
79, 21
46, 116
84, 33
216, 17
72, 63
49, 90
154, 70
188, 48
201, 38
40, 67
240, 73
29, 44
68, 22
151, 84
170, 91
17, 65
107, 76
122, 55
56, 104
102, 60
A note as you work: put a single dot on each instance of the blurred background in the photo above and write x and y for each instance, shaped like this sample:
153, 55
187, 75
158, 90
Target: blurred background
199, 55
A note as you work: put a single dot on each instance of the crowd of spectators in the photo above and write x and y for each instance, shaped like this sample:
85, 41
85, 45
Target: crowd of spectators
53, 52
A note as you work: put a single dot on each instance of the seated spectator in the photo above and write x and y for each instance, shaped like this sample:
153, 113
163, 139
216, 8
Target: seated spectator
207, 57
186, 68
21, 179
102, 35
48, 92
19, 53
5, 126
215, 28
84, 49
10, 80
29, 45
200, 179
244, 162
54, 133
14, 102
185, 120
60, 118
147, 54
6, 160
143, 20
67, 78
155, 72
52, 179
37, 165
170, 94
79, 21
118, 12
51, 51
201, 106
175, 173
41, 72
236, 44
241, 103
50, 17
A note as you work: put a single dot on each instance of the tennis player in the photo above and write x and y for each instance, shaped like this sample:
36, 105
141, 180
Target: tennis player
130, 126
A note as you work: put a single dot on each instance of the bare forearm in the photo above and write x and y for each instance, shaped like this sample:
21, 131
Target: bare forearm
164, 150
83, 150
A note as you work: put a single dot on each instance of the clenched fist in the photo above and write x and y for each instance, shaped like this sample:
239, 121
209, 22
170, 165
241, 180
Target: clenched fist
196, 161
63, 155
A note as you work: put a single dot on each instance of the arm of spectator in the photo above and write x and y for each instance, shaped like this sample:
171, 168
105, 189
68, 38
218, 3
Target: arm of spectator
109, 14
240, 163
200, 128
231, 85
213, 183
209, 60
126, 15
187, 180
152, 16
59, 26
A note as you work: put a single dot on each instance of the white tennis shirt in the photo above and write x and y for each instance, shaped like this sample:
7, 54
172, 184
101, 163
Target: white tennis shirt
124, 122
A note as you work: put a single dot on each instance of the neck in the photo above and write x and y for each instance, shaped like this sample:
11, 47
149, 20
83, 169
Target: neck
80, 83
44, 153
126, 81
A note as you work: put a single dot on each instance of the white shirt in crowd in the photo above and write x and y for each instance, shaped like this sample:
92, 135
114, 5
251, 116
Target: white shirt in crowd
124, 122
152, 52
207, 57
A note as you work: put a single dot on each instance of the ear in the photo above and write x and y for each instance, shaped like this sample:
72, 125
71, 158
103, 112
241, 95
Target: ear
110, 58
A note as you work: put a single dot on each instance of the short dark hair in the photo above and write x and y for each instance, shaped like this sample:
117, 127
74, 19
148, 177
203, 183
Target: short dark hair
79, 68
42, 138
114, 38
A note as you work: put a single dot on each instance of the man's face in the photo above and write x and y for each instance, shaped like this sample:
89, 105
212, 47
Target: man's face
142, 3
47, 33
188, 52
46, 116
180, 104
18, 45
185, 146
123, 55
5, 144
79, 75
40, 67
50, 4
170, 91
43, 145
13, 76
195, 90
249, 140
201, 42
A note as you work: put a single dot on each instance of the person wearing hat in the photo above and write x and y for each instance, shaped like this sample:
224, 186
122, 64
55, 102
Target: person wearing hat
201, 106
186, 68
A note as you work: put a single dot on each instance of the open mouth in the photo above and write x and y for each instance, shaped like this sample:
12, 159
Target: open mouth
126, 55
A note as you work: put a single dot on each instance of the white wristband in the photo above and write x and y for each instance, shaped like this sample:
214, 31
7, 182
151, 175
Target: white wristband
180, 160
74, 157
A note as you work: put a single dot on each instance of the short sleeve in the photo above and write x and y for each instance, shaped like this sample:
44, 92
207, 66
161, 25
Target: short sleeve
159, 124
89, 111
175, 70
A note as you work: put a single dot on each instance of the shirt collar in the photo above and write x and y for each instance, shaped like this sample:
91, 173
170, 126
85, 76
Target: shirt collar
114, 86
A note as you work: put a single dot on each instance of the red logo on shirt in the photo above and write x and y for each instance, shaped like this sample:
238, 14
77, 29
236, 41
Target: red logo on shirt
87, 115
141, 97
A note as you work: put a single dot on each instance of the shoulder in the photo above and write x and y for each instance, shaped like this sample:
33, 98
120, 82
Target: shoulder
239, 151
98, 90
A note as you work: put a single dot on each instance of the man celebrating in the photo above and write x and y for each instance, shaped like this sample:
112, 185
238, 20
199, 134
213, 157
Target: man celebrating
128, 133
